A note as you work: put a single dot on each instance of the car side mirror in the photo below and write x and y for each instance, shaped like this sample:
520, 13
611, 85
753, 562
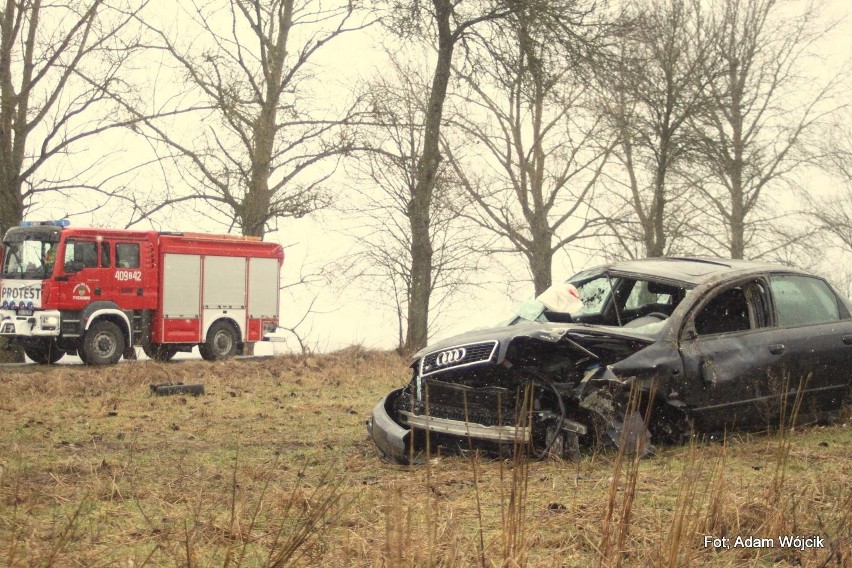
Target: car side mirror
689, 333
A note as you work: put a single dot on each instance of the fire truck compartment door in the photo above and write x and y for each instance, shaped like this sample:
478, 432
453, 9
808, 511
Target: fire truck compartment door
181, 286
224, 291
181, 298
263, 288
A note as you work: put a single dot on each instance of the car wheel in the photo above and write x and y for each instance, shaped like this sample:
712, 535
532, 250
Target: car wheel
45, 354
221, 342
160, 352
103, 344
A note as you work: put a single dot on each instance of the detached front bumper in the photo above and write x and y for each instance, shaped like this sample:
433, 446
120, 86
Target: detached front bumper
391, 438
43, 323
393, 434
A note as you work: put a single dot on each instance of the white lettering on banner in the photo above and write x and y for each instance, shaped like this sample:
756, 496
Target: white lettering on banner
26, 290
128, 275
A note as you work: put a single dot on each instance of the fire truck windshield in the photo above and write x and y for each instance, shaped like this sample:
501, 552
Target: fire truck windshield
29, 257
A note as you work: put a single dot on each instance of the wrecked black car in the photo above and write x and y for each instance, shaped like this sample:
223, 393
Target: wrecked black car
704, 345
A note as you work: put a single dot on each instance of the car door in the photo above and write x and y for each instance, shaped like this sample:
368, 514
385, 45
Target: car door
818, 337
733, 358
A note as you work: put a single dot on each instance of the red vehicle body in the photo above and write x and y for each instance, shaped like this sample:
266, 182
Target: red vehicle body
101, 292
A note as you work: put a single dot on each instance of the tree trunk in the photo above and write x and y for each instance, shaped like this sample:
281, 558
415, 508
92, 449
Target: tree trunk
11, 204
738, 212
541, 262
735, 165
258, 198
417, 333
655, 237
420, 205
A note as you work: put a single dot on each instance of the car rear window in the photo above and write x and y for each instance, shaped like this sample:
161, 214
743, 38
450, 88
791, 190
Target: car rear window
802, 300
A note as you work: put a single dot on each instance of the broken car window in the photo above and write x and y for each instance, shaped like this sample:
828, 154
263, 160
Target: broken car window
802, 300
643, 305
736, 309
645, 293
725, 313
594, 294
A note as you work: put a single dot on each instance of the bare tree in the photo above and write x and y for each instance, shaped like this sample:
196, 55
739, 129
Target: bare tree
59, 64
764, 104
652, 88
265, 148
833, 213
387, 166
527, 104
444, 24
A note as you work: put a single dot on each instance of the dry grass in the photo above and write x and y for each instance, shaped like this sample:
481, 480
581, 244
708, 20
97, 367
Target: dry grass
272, 467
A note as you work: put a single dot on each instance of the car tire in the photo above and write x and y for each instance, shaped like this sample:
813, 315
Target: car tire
103, 344
46, 354
160, 352
221, 342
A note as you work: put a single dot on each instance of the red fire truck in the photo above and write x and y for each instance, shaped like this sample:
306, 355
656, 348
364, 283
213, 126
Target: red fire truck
101, 292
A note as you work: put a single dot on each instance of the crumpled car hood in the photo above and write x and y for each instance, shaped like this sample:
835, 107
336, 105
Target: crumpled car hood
583, 334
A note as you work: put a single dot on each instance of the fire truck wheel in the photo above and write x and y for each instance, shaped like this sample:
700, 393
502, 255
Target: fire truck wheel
103, 344
221, 342
46, 354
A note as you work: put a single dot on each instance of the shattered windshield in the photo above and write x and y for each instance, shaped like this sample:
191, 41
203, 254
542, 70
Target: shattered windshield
593, 294
29, 258
642, 305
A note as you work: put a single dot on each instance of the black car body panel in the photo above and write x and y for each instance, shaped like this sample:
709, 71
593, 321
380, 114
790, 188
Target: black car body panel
657, 348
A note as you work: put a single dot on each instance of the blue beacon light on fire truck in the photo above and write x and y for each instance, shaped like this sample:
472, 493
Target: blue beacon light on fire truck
57, 223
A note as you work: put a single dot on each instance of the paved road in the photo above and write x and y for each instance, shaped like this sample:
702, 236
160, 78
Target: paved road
70, 360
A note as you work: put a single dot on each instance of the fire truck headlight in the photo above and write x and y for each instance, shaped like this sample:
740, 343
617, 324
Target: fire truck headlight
49, 322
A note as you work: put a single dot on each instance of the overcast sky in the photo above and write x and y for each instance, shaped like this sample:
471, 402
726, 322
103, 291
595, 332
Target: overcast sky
345, 314
352, 318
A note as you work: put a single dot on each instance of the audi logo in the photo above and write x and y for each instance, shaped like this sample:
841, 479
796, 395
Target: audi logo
451, 356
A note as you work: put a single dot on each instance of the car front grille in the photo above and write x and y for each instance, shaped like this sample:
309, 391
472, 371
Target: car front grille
457, 356
485, 405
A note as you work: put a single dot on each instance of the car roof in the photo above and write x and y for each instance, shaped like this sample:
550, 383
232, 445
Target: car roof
691, 270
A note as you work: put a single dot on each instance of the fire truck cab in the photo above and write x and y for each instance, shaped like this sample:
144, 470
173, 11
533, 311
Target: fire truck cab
100, 293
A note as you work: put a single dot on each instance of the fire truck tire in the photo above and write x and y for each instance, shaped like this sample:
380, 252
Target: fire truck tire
46, 354
221, 342
159, 352
103, 344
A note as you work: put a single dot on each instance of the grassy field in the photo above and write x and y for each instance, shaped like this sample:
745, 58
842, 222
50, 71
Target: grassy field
272, 467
